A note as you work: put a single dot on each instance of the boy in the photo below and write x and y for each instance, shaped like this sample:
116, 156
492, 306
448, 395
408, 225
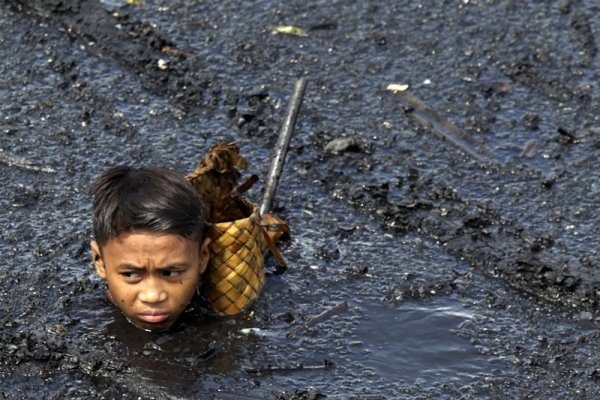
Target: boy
149, 246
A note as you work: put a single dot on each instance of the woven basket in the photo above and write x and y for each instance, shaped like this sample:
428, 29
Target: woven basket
235, 273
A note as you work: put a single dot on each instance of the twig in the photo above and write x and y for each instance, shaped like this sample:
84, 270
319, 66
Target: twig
299, 367
529, 150
568, 134
236, 396
337, 309
283, 142
443, 128
23, 163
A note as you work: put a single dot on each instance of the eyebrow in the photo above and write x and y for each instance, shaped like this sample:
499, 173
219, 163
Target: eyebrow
167, 267
174, 266
130, 266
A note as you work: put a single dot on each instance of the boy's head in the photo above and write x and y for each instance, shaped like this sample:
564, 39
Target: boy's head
149, 246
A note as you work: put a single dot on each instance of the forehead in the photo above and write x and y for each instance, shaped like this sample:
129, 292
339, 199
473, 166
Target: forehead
136, 246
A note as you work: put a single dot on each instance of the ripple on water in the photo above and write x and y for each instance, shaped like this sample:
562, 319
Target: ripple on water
418, 343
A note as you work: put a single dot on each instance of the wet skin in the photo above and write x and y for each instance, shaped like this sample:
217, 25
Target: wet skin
151, 276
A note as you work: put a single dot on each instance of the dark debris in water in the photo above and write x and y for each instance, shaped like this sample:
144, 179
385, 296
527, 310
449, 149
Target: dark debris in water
418, 291
482, 237
301, 394
274, 369
356, 150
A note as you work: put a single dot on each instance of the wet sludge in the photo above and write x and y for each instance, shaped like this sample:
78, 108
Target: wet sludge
495, 261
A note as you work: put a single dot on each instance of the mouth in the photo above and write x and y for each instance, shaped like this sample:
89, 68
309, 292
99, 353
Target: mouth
153, 317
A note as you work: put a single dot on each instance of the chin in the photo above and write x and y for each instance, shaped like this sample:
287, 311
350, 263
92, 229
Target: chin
152, 327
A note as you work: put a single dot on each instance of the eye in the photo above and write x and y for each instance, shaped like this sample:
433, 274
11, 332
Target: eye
130, 275
168, 273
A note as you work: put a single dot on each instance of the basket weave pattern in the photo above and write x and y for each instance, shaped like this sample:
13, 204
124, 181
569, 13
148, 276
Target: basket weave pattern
235, 273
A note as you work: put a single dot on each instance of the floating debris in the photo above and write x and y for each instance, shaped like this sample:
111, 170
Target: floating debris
322, 26
397, 87
23, 163
290, 30
325, 315
570, 136
529, 150
299, 367
442, 128
342, 145
502, 87
176, 52
258, 332
163, 64
337, 309
247, 331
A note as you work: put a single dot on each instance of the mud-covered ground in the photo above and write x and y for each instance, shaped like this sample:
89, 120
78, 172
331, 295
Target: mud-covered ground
469, 266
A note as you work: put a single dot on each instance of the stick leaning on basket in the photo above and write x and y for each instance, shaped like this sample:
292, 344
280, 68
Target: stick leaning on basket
239, 230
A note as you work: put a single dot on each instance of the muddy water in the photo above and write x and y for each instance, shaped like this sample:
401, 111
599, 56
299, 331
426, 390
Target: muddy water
462, 279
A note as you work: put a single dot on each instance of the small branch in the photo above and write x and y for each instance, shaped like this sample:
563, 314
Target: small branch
269, 369
443, 128
570, 136
23, 163
337, 309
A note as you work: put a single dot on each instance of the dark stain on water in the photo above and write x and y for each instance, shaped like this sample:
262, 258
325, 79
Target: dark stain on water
462, 279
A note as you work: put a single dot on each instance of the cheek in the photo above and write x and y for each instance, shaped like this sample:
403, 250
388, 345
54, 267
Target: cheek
119, 297
120, 293
185, 292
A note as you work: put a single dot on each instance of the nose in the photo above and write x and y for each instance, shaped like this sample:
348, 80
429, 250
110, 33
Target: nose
152, 293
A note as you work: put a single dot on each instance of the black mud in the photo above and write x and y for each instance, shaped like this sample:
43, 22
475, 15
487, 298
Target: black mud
490, 262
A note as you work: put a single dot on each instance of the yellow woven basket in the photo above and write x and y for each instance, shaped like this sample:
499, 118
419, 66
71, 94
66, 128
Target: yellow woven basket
235, 273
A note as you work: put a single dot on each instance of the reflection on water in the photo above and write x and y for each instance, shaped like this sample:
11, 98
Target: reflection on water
417, 342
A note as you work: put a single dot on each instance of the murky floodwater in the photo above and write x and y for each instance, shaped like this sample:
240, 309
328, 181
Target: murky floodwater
425, 317
419, 343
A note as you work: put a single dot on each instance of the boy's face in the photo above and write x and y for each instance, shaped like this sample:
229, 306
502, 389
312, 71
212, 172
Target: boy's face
151, 276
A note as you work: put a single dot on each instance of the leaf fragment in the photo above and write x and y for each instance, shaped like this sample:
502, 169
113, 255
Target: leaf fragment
290, 30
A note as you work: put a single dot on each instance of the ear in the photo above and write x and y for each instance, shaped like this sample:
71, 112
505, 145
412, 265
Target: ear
97, 259
204, 254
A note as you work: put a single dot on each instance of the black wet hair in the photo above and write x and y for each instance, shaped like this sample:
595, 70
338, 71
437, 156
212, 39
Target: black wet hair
151, 199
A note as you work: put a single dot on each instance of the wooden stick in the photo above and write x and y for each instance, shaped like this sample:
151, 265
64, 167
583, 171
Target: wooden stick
300, 367
325, 315
568, 134
283, 142
443, 128
23, 163
337, 309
